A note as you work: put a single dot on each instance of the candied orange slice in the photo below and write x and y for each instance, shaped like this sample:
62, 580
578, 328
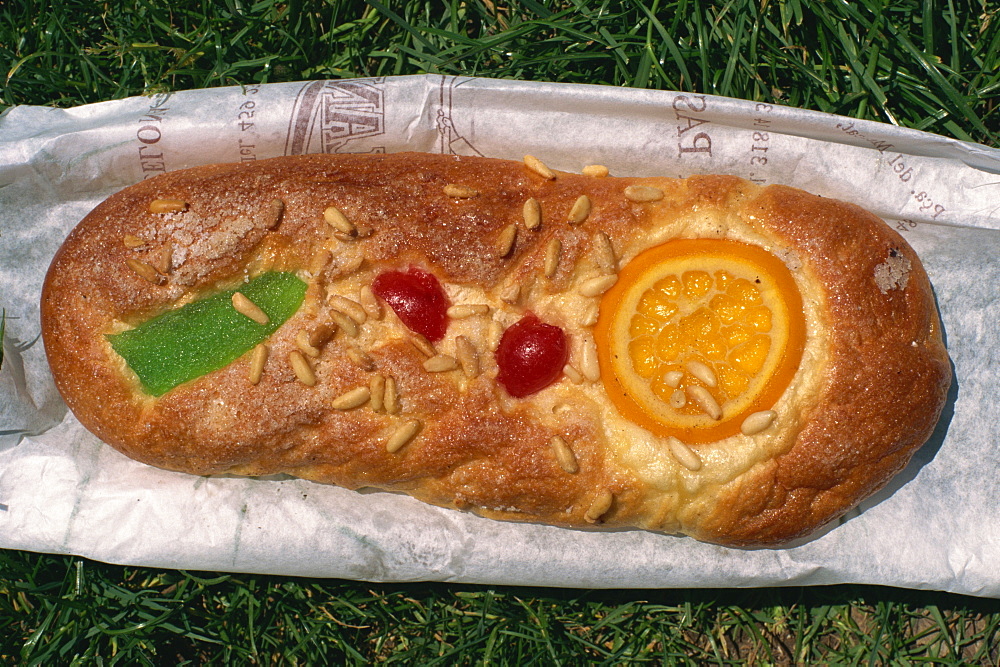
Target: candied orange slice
697, 334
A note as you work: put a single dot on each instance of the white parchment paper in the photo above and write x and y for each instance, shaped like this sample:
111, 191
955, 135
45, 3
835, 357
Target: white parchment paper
936, 526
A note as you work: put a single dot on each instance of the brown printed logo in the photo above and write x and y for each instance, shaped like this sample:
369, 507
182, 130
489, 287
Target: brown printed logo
149, 134
328, 115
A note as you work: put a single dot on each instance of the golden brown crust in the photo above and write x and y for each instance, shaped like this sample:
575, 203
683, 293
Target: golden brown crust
869, 392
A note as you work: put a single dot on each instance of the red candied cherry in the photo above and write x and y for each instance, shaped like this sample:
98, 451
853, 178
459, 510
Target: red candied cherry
530, 356
417, 298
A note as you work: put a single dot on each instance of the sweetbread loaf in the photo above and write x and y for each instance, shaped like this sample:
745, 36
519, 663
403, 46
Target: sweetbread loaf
702, 356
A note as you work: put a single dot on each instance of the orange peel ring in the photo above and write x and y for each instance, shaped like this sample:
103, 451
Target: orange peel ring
694, 304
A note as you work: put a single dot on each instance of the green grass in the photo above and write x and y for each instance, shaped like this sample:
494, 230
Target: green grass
927, 64
62, 609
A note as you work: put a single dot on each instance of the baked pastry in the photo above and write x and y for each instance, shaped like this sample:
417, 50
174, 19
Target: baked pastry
703, 356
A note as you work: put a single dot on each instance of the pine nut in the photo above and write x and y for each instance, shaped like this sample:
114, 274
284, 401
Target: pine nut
580, 210
248, 308
468, 356
368, 301
757, 422
673, 378
597, 286
302, 342
564, 455
257, 360
403, 435
162, 259
273, 214
131, 241
600, 507
532, 212
376, 388
303, 371
595, 171
505, 241
686, 456
574, 375
459, 191
349, 307
336, 219
354, 398
422, 344
344, 321
145, 271
167, 205
440, 363
643, 193
604, 253
589, 365
390, 399
510, 293
463, 310
705, 401
678, 399
539, 167
701, 371
361, 358
552, 251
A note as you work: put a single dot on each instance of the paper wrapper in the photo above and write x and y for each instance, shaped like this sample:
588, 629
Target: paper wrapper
936, 526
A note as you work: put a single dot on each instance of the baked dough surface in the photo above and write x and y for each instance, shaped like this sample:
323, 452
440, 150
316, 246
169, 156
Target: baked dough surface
867, 394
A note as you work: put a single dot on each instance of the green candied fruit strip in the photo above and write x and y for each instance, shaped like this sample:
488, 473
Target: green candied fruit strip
206, 335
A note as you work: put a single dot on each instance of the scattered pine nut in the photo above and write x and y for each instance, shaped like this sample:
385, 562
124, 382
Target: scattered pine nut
167, 205
131, 241
494, 334
595, 170
376, 389
600, 507
368, 301
460, 191
574, 375
422, 344
440, 363
248, 308
390, 398
305, 346
532, 212
580, 210
597, 286
345, 322
552, 252
758, 422
510, 293
591, 315
643, 193
505, 241
589, 365
604, 253
145, 271
463, 310
673, 378
303, 371
705, 401
686, 456
564, 455
162, 258
701, 371
336, 219
539, 167
678, 399
361, 358
468, 356
354, 398
274, 213
403, 435
257, 360
349, 307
